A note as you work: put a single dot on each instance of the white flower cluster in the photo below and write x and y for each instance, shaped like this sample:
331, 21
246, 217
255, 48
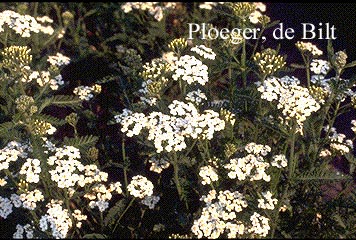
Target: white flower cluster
102, 195
85, 92
77, 214
267, 202
58, 60
294, 100
150, 201
3, 182
196, 96
30, 198
204, 52
42, 78
353, 127
169, 131
255, 16
208, 175
209, 5
153, 8
257, 149
339, 143
15, 199
169, 57
191, 70
69, 171
5, 207
220, 215
11, 152
140, 187
309, 47
57, 218
279, 161
23, 25
319, 66
20, 230
158, 164
253, 165
260, 225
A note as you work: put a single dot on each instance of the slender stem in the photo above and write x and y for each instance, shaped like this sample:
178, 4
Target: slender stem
243, 64
127, 208
101, 221
191, 147
125, 167
176, 176
291, 165
307, 65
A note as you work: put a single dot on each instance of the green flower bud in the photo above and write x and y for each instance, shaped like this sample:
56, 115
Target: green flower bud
339, 60
177, 45
68, 17
268, 61
16, 57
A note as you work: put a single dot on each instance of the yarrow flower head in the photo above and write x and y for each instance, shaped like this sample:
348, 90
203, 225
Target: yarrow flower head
158, 164
319, 66
23, 25
219, 215
86, 93
204, 51
150, 201
140, 187
208, 175
268, 61
190, 70
56, 219
58, 60
309, 48
295, 101
267, 202
154, 8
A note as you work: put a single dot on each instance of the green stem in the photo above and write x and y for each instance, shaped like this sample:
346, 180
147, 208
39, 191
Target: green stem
292, 160
127, 208
176, 176
243, 64
125, 167
101, 221
307, 65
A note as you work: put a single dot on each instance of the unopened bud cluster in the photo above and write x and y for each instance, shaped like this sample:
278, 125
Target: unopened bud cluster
15, 57
243, 9
177, 45
318, 93
26, 104
339, 60
268, 61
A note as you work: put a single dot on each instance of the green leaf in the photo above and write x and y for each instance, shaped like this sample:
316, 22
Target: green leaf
321, 175
114, 212
38, 149
82, 142
8, 132
95, 236
5, 127
338, 219
351, 64
62, 101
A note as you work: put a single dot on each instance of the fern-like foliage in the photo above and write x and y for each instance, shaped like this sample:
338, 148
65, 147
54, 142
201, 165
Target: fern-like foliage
322, 175
82, 142
62, 101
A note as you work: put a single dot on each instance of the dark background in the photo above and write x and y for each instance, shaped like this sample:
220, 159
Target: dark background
341, 15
